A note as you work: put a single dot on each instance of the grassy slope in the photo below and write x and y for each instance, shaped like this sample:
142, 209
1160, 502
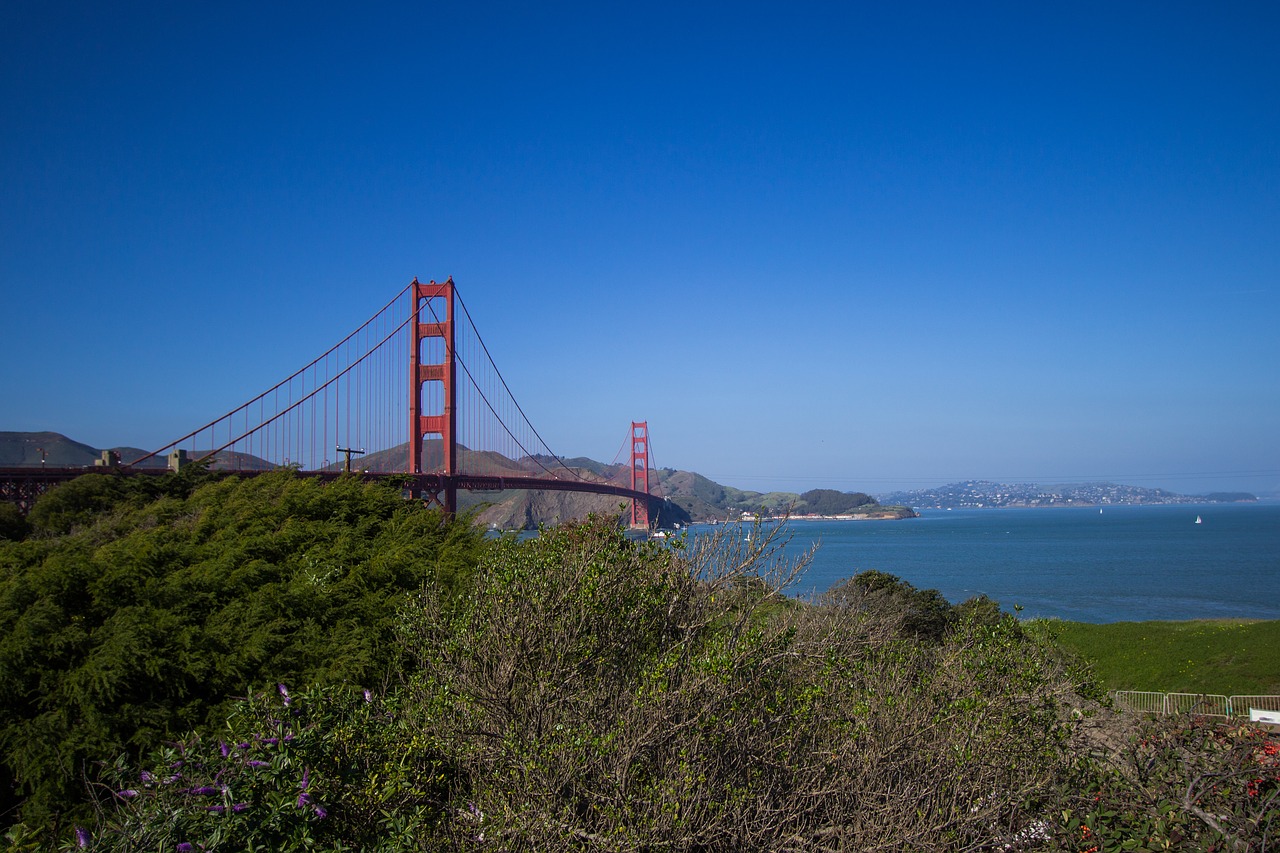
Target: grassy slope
1179, 657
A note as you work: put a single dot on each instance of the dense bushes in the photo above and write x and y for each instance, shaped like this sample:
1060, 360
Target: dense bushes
131, 617
1174, 783
588, 693
12, 524
578, 691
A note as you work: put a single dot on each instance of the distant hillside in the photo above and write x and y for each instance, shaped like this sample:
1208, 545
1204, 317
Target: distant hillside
982, 494
22, 450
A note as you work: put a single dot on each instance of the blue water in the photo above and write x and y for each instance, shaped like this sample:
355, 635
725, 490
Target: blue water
1124, 564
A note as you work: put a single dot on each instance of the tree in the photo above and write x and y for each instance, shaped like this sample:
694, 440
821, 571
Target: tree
127, 619
921, 612
12, 525
832, 502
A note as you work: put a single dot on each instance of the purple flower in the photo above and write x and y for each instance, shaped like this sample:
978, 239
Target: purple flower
218, 809
185, 847
306, 778
204, 791
368, 697
239, 807
284, 691
82, 837
147, 778
127, 793
244, 745
304, 799
256, 763
321, 813
224, 749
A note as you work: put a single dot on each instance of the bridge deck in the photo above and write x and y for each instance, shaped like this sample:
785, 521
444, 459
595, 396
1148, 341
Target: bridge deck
22, 485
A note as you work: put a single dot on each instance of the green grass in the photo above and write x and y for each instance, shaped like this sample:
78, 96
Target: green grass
1178, 657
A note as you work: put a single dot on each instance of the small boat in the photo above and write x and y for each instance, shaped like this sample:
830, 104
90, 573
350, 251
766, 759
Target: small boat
1198, 521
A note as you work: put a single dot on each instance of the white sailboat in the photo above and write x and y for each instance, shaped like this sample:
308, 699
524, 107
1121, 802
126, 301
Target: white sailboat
1198, 521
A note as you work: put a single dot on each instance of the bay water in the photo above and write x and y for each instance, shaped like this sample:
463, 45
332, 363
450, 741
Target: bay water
1125, 563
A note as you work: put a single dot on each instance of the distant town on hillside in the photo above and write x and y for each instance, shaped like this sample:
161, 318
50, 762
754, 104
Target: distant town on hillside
983, 494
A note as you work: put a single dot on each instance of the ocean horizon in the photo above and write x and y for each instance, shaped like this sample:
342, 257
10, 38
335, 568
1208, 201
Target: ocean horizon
1120, 564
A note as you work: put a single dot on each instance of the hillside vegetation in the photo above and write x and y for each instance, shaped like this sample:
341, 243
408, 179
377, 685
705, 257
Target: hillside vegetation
138, 608
407, 685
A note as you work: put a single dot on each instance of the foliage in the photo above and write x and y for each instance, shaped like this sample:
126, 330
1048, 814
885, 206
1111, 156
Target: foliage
1201, 656
81, 501
1180, 783
589, 692
580, 691
923, 613
77, 503
330, 769
141, 606
12, 525
594, 693
832, 502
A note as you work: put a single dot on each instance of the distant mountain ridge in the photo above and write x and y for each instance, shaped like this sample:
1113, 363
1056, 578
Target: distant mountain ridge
33, 449
23, 449
983, 494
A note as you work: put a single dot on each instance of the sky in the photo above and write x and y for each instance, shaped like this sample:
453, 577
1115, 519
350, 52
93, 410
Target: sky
815, 245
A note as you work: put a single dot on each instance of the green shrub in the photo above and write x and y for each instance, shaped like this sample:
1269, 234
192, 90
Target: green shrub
591, 693
923, 613
141, 622
12, 525
320, 769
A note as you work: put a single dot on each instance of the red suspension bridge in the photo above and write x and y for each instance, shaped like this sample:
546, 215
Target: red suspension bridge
413, 392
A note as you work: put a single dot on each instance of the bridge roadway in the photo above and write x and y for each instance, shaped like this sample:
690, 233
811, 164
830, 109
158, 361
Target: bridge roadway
22, 485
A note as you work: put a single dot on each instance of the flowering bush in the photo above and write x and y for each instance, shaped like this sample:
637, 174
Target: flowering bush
318, 769
1182, 783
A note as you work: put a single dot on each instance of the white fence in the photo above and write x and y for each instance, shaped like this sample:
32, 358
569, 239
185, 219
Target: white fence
1265, 709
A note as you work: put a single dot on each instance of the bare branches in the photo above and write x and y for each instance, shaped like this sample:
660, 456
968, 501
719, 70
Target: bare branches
622, 697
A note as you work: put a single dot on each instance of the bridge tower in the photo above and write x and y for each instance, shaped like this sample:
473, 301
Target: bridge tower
444, 424
640, 472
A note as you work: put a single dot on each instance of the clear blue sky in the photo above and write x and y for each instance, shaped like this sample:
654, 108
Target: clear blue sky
853, 246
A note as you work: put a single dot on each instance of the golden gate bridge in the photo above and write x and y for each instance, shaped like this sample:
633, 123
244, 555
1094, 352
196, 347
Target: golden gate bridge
413, 392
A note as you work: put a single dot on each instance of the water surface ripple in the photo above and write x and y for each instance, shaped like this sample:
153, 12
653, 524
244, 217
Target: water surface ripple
1127, 563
